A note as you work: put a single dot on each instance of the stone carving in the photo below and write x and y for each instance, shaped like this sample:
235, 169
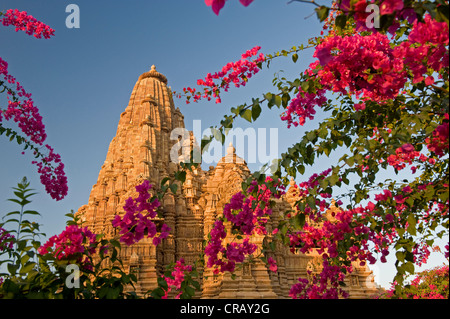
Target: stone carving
141, 150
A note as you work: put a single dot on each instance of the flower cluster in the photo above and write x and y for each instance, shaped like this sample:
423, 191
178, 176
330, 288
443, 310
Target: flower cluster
6, 242
72, 244
24, 22
368, 67
302, 107
324, 285
425, 50
248, 215
25, 113
21, 109
236, 73
326, 237
364, 66
314, 182
404, 154
135, 224
428, 284
27, 117
177, 277
393, 8
225, 258
53, 178
214, 246
217, 5
272, 264
439, 141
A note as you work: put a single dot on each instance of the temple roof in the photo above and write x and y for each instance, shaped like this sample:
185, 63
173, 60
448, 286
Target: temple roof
231, 156
153, 74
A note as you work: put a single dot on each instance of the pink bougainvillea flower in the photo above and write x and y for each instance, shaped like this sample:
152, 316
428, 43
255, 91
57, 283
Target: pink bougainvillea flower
216, 5
324, 55
245, 2
24, 22
73, 243
272, 264
138, 220
389, 6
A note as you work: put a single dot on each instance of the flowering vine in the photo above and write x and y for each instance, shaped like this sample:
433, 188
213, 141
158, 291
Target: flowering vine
21, 109
217, 5
75, 243
138, 220
391, 84
237, 73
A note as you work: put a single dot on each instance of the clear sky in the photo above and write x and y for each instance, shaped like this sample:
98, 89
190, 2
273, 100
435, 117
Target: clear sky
81, 79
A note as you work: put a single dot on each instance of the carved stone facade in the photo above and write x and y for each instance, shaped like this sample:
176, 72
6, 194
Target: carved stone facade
141, 150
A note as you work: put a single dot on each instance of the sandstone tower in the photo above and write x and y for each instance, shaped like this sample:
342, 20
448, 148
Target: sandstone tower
141, 150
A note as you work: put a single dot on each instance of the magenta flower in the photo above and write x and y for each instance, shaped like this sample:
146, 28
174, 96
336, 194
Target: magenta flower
21, 109
73, 243
217, 5
272, 264
24, 22
137, 222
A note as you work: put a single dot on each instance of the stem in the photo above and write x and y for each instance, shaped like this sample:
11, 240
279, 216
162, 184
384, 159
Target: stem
18, 233
439, 88
305, 1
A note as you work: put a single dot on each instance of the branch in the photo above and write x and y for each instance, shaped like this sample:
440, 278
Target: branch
305, 1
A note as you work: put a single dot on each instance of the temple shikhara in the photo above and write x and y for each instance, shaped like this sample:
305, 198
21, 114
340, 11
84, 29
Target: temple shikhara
141, 150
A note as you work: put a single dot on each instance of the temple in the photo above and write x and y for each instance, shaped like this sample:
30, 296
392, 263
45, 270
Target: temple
141, 150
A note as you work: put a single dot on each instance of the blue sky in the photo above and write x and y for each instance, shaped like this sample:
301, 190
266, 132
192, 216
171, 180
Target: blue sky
81, 79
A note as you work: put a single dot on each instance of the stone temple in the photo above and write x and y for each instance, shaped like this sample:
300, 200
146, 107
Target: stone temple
141, 150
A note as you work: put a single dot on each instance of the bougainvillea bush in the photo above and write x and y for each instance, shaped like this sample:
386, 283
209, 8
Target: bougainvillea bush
427, 284
25, 114
380, 76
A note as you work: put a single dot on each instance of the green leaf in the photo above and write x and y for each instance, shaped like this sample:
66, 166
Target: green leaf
173, 188
311, 136
298, 221
301, 169
311, 201
190, 291
115, 243
21, 244
12, 268
409, 267
31, 212
180, 176
341, 21
295, 57
442, 13
350, 161
334, 178
411, 225
400, 256
305, 86
247, 114
256, 111
164, 181
27, 268
322, 13
278, 101
162, 283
